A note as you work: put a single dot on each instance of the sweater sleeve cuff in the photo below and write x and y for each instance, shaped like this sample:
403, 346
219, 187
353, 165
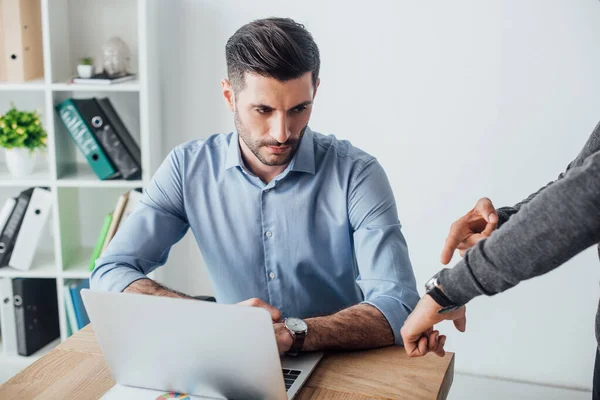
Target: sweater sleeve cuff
459, 284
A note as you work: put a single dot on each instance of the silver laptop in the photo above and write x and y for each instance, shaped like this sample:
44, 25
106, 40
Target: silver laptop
202, 349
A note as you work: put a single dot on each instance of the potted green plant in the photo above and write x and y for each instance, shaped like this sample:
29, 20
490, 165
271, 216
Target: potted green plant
22, 135
85, 69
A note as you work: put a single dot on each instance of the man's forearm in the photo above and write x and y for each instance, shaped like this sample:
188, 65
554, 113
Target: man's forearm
358, 327
148, 286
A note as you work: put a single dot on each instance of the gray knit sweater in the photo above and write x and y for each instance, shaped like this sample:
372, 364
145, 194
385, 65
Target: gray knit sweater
537, 235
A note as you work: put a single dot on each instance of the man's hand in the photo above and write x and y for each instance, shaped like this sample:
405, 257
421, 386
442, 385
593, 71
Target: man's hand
465, 232
254, 302
282, 335
284, 338
418, 334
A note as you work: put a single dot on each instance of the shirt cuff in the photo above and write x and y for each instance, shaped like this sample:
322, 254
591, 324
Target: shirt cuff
114, 279
394, 311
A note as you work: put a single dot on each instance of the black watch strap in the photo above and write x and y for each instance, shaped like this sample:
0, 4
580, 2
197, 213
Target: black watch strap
440, 297
297, 345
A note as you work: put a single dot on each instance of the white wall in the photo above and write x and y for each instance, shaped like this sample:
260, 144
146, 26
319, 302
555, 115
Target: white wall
458, 100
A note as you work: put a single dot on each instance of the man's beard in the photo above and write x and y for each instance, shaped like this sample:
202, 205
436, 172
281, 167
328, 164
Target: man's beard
255, 145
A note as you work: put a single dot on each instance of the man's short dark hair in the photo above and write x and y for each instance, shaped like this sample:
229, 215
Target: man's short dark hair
275, 47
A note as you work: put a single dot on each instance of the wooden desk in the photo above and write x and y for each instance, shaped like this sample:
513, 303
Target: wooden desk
76, 370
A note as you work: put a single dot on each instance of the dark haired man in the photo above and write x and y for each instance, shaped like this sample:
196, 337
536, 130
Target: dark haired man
300, 223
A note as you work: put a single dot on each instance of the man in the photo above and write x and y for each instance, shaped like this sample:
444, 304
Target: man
537, 235
287, 219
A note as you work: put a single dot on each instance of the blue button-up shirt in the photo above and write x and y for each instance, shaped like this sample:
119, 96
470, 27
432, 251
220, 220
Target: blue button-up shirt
320, 237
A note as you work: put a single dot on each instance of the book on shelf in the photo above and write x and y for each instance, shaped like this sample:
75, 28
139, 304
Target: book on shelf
21, 44
125, 206
70, 311
8, 326
85, 140
36, 313
2, 46
77, 316
102, 137
100, 242
106, 135
22, 221
117, 213
102, 78
9, 234
29, 234
120, 129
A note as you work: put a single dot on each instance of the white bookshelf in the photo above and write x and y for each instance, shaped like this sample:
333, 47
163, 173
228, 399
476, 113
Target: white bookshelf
73, 29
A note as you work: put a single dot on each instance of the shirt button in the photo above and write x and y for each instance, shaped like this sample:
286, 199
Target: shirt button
269, 234
272, 275
267, 190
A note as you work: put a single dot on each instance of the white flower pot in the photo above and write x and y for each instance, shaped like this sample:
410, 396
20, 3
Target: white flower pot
85, 71
20, 161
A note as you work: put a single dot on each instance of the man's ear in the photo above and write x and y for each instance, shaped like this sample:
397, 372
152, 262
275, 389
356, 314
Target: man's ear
228, 94
316, 87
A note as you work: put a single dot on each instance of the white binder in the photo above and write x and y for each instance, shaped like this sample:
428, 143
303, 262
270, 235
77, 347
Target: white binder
30, 232
7, 317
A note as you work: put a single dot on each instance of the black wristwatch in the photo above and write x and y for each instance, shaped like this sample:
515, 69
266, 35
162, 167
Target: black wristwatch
298, 330
432, 288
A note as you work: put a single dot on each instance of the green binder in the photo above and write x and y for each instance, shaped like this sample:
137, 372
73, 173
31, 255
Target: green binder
85, 140
100, 241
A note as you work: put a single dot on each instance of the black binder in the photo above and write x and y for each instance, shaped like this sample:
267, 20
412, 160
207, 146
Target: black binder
36, 313
11, 230
120, 129
102, 128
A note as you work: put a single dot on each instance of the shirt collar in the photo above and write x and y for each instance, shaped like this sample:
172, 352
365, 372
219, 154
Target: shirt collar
234, 157
303, 161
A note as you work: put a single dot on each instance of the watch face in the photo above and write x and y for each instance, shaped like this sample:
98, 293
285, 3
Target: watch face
296, 324
430, 284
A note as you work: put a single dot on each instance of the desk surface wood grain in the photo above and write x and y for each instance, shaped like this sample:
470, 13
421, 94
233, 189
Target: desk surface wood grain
76, 370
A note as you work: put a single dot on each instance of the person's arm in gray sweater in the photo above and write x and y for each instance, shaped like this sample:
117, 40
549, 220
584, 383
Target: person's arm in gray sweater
555, 225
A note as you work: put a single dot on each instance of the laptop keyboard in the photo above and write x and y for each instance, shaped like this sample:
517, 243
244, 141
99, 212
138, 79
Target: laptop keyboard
290, 376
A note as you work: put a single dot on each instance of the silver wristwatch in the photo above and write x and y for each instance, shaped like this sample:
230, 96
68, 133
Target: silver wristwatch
432, 288
298, 329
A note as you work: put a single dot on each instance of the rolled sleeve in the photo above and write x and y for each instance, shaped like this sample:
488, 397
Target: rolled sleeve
386, 276
114, 274
394, 311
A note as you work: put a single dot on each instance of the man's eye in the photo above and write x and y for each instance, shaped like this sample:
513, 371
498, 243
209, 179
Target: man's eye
263, 110
299, 110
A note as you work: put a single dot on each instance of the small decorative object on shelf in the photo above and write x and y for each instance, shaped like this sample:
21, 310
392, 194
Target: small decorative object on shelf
117, 56
22, 136
85, 69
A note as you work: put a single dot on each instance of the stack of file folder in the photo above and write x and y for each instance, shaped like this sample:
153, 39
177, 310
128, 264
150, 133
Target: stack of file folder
126, 204
102, 137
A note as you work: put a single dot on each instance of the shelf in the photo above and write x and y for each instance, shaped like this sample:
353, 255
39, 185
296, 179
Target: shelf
83, 176
44, 266
78, 268
4, 358
128, 86
39, 177
37, 84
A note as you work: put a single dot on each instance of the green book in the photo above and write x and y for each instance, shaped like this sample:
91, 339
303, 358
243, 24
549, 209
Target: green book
100, 241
